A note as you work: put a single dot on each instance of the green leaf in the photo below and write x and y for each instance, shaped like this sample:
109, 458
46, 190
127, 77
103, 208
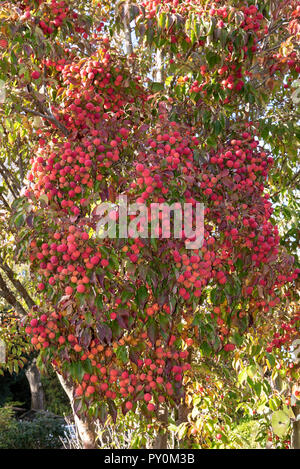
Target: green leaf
242, 376
122, 354
214, 296
126, 295
113, 261
19, 220
77, 370
168, 81
162, 20
288, 411
157, 86
271, 360
87, 366
152, 332
280, 423
212, 58
142, 296
274, 403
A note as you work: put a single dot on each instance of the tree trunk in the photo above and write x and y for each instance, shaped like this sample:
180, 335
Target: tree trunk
161, 440
85, 428
183, 412
295, 440
159, 66
37, 394
127, 28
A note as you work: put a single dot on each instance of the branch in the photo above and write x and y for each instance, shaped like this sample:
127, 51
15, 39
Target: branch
279, 23
289, 183
48, 117
187, 55
17, 284
5, 203
6, 175
10, 297
21, 165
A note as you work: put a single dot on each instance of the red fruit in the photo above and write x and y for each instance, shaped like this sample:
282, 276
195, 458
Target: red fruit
95, 260
128, 405
147, 397
35, 75
68, 290
79, 391
41, 286
140, 168
81, 288
229, 347
3, 43
90, 390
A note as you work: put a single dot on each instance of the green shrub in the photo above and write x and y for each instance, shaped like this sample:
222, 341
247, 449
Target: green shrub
42, 433
247, 430
6, 417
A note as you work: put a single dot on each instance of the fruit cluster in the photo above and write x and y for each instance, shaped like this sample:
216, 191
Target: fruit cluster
123, 313
51, 15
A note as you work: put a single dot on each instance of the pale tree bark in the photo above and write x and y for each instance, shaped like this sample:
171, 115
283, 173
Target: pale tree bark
37, 393
85, 428
159, 66
127, 28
